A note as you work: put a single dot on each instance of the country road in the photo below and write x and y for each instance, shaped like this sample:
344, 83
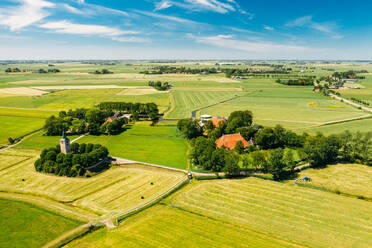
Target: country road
351, 103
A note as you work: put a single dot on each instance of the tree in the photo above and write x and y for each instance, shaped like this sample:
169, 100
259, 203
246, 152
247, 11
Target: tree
276, 163
289, 160
239, 119
321, 150
259, 160
247, 132
75, 147
189, 128
202, 152
239, 147
231, 164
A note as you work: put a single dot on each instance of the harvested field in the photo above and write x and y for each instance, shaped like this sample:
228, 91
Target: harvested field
140, 91
354, 179
283, 211
163, 226
22, 91
86, 87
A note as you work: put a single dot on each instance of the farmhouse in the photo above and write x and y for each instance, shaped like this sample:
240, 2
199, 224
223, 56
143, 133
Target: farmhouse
229, 141
117, 115
217, 121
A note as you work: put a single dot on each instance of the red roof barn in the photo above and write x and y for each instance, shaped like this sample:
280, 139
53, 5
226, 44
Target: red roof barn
229, 141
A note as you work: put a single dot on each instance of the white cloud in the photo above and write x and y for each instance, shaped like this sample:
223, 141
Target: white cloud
72, 9
163, 5
167, 17
219, 6
67, 27
268, 28
226, 41
328, 28
25, 14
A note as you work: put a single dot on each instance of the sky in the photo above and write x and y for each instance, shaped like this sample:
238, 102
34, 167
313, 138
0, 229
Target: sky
185, 29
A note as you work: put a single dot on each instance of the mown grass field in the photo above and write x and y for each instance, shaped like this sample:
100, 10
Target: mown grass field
272, 104
141, 142
115, 190
353, 179
7, 161
25, 225
164, 226
14, 127
184, 102
364, 125
283, 211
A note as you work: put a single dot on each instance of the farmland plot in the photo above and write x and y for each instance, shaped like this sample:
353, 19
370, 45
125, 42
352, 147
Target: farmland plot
283, 211
184, 102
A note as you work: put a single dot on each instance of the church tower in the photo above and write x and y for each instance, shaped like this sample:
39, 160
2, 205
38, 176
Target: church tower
64, 143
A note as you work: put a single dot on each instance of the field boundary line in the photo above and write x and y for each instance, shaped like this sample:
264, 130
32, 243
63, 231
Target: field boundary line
51, 205
123, 161
10, 166
121, 216
22, 138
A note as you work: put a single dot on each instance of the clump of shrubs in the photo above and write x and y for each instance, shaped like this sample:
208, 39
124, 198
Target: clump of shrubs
71, 164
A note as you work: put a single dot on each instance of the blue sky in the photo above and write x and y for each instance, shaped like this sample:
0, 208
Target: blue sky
185, 29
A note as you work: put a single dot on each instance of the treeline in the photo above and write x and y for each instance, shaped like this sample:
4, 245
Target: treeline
351, 74
40, 71
138, 110
271, 150
183, 70
43, 71
103, 71
356, 100
298, 82
82, 121
71, 164
159, 85
12, 70
249, 71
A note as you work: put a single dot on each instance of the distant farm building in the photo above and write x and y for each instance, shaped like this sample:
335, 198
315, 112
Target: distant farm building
217, 121
229, 141
117, 115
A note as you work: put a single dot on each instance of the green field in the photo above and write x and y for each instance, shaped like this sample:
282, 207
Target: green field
162, 145
353, 179
25, 225
289, 106
164, 226
184, 102
244, 213
15, 127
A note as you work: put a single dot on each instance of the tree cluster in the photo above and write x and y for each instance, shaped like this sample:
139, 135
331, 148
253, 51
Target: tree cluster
360, 101
43, 71
71, 164
12, 70
159, 85
138, 110
183, 70
83, 121
298, 82
103, 71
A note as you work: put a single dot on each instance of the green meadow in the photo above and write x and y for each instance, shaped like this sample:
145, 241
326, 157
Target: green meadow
141, 142
26, 225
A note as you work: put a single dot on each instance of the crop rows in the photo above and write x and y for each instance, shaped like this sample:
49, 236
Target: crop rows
287, 212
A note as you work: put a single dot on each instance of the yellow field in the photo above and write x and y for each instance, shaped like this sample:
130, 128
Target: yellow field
304, 216
354, 179
115, 190
21, 91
